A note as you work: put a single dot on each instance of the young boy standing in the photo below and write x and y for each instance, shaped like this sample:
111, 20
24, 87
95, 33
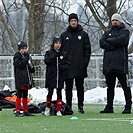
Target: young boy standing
23, 68
57, 65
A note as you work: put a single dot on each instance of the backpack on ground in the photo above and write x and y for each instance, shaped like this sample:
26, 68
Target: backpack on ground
65, 108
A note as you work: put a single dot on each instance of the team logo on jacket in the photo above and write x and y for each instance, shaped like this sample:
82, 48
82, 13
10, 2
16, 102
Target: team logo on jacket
67, 38
79, 37
61, 57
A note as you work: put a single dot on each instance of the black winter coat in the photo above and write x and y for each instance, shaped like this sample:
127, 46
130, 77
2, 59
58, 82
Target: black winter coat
55, 72
114, 41
22, 70
77, 45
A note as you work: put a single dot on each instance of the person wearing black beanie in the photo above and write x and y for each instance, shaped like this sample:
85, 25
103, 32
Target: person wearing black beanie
57, 64
55, 40
21, 45
73, 16
23, 69
75, 41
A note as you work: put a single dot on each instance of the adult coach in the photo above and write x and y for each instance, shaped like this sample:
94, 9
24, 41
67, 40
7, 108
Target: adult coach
114, 41
75, 41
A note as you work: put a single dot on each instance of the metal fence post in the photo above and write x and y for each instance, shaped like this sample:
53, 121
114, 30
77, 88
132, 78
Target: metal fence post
97, 72
12, 74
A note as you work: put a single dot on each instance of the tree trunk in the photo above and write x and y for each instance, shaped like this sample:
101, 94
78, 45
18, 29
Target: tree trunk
111, 8
39, 25
31, 27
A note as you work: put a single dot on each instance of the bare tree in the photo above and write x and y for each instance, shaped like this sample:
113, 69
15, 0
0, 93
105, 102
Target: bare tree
36, 10
33, 30
102, 10
39, 26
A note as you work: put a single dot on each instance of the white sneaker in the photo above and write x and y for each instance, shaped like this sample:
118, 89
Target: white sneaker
58, 113
47, 111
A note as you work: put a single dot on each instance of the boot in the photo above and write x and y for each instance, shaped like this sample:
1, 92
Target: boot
107, 109
127, 110
81, 110
25, 108
58, 107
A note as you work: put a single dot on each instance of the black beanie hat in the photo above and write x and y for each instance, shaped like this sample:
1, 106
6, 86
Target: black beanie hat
72, 16
55, 39
22, 45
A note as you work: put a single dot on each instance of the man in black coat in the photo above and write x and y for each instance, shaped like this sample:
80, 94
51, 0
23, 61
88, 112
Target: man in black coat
76, 43
114, 41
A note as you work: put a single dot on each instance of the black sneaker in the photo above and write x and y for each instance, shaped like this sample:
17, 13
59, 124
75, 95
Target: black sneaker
69, 109
28, 114
107, 110
81, 110
0, 109
18, 114
126, 111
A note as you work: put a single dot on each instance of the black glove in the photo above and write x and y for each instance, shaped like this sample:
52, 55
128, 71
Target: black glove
54, 55
26, 55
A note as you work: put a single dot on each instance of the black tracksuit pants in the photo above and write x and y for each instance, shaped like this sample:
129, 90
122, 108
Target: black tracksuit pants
110, 80
79, 83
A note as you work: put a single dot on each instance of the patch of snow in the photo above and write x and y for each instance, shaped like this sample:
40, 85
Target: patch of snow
94, 96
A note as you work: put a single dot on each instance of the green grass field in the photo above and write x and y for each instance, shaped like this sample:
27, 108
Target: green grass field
90, 122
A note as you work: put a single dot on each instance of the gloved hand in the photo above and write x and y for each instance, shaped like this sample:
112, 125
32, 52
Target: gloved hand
26, 55
54, 55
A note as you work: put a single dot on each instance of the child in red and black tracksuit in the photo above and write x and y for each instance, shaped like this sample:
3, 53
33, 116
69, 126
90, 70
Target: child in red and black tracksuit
23, 68
57, 65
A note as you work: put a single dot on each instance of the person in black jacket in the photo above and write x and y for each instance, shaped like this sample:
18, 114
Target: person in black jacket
23, 68
75, 41
57, 64
114, 41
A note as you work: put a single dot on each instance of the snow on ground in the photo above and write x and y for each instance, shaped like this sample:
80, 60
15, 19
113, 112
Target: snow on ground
93, 96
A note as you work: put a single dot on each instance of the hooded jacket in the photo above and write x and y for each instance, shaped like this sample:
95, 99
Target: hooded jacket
55, 70
22, 70
114, 41
77, 45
